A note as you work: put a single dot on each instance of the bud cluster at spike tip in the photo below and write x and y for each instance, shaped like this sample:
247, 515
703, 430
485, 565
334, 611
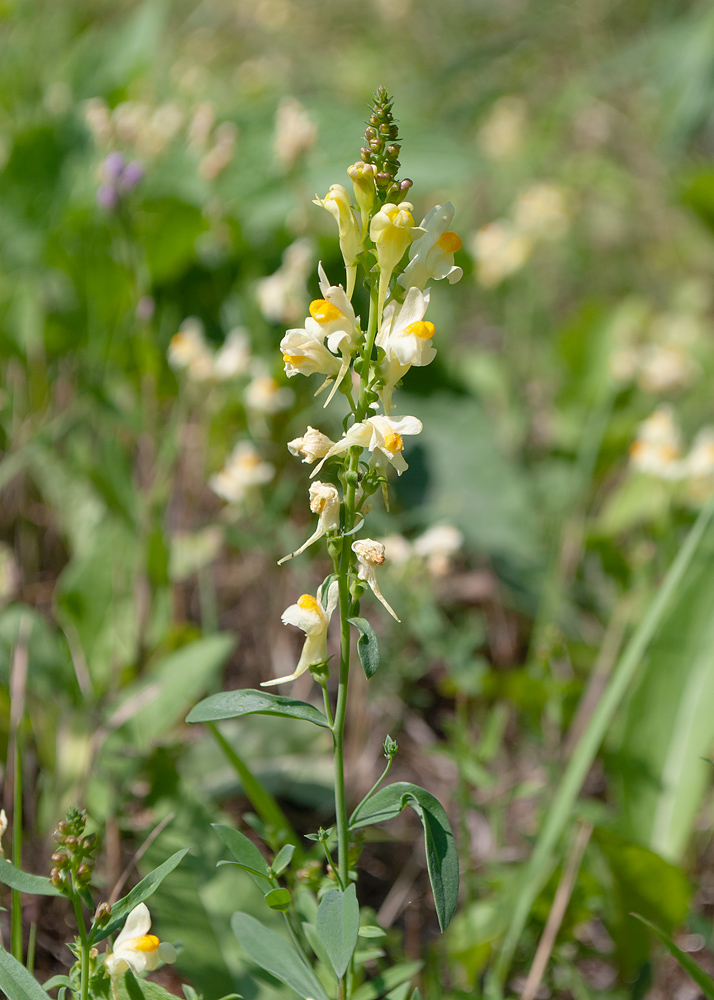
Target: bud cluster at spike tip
381, 149
73, 858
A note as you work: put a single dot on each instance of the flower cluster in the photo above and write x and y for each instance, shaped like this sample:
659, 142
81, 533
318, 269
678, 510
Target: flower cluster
377, 231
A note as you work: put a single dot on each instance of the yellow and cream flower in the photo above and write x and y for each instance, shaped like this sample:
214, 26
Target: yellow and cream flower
304, 352
432, 254
337, 202
656, 449
135, 948
336, 319
362, 176
189, 352
310, 616
312, 445
243, 471
370, 554
325, 502
405, 337
382, 436
392, 230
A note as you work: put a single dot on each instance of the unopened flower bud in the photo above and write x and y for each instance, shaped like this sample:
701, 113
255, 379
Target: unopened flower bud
390, 747
366, 154
103, 913
393, 151
370, 133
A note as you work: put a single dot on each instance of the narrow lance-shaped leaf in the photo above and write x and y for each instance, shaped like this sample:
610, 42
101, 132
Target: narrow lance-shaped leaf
367, 646
273, 953
139, 894
441, 858
700, 977
245, 852
338, 926
233, 704
35, 885
16, 982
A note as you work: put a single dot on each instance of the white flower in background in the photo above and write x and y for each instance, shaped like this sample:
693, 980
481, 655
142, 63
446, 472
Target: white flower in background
337, 203
699, 463
295, 132
220, 155
656, 449
438, 545
135, 948
397, 550
233, 358
405, 337
392, 229
310, 616
3, 830
325, 502
243, 471
203, 118
541, 212
312, 445
665, 368
383, 437
500, 250
189, 352
503, 132
264, 395
282, 296
370, 554
432, 254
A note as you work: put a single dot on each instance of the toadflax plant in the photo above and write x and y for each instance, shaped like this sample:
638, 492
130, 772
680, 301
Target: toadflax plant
363, 363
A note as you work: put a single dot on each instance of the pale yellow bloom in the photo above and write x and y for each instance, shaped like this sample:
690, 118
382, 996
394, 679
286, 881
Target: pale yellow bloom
370, 554
243, 471
392, 230
282, 296
382, 436
656, 449
135, 948
310, 616
295, 132
432, 254
665, 368
312, 445
337, 203
189, 352
541, 212
362, 176
500, 250
405, 337
325, 502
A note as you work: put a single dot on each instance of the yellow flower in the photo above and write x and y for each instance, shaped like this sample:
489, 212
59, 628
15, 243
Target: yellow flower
392, 231
337, 203
135, 948
310, 616
432, 254
405, 337
362, 175
382, 436
325, 502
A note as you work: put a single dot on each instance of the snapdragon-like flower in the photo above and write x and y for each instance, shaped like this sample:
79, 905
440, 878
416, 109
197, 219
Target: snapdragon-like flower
189, 352
325, 502
312, 445
405, 337
135, 948
383, 437
304, 352
656, 450
336, 319
432, 254
392, 230
362, 176
337, 203
243, 471
310, 616
370, 554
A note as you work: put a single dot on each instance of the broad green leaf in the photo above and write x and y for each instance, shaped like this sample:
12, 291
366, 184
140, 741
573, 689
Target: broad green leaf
283, 858
245, 852
669, 725
367, 646
129, 987
271, 952
387, 980
703, 981
16, 982
338, 925
33, 885
139, 894
167, 690
232, 704
278, 899
441, 857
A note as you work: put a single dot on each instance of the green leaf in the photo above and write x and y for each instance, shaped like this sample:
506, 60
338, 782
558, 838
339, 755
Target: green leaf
278, 899
283, 858
338, 926
232, 704
139, 894
386, 981
367, 646
245, 852
131, 988
33, 885
16, 982
271, 952
441, 858
703, 981
372, 931
55, 981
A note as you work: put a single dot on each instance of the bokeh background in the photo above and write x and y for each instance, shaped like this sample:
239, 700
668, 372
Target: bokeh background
158, 162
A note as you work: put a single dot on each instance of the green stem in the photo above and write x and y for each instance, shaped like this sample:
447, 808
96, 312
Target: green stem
84, 949
373, 789
331, 864
326, 700
541, 860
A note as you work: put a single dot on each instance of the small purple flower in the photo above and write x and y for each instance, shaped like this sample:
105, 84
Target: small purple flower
112, 167
119, 178
131, 175
107, 197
